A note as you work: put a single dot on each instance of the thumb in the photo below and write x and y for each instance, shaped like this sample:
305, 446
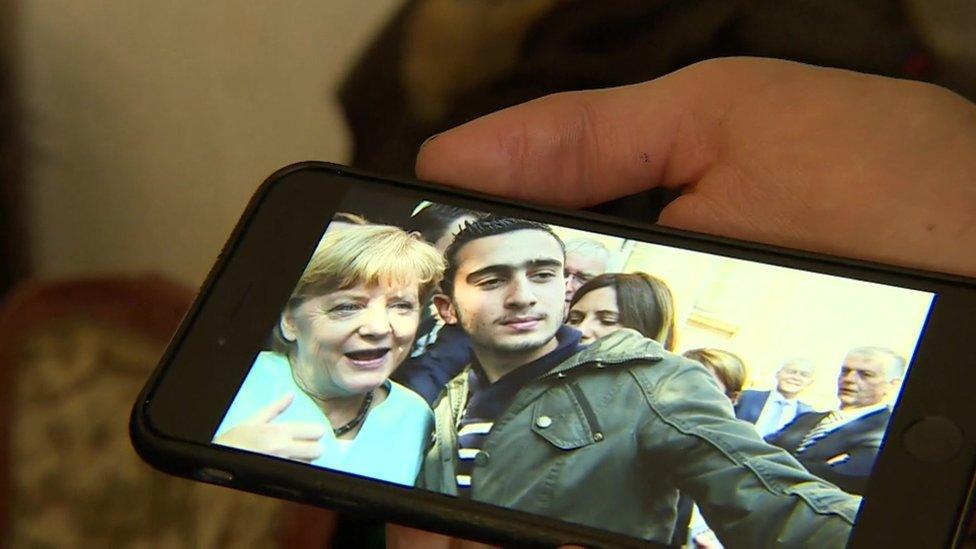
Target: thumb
578, 149
273, 410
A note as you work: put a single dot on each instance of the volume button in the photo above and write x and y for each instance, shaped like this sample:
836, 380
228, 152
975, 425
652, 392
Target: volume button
216, 476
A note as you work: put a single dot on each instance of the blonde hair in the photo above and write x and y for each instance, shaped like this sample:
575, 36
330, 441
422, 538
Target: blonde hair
364, 254
371, 255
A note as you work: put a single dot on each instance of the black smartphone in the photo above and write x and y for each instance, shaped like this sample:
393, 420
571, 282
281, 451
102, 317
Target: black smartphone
527, 376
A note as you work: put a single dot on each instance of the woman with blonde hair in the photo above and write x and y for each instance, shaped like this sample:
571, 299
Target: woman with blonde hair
323, 395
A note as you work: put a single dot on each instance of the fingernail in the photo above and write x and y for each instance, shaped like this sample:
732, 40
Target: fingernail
428, 140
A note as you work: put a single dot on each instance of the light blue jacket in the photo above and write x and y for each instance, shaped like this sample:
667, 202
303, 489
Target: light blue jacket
389, 445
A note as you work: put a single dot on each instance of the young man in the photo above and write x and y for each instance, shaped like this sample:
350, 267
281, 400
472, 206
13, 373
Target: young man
841, 446
605, 435
772, 410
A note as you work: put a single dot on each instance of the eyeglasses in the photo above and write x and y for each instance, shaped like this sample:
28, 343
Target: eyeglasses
577, 278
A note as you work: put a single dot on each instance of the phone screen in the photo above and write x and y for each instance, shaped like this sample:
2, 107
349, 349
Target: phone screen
630, 386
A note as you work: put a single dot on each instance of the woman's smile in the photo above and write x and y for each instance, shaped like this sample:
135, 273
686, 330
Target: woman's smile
368, 359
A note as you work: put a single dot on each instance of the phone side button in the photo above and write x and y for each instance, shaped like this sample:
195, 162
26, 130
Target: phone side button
933, 439
281, 491
216, 476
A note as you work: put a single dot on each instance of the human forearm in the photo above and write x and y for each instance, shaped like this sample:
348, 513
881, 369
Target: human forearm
751, 493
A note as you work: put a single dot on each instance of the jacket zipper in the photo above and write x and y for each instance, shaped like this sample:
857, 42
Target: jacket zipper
587, 411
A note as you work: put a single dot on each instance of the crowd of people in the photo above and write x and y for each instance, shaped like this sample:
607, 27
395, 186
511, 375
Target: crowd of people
483, 357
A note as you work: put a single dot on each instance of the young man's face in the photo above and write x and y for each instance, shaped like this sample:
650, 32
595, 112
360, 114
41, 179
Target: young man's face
508, 291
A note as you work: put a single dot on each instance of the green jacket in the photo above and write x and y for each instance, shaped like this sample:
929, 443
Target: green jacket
608, 437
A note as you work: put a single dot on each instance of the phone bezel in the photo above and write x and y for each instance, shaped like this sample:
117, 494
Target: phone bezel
267, 251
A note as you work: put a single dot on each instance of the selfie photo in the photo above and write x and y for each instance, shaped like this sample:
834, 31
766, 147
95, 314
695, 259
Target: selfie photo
551, 370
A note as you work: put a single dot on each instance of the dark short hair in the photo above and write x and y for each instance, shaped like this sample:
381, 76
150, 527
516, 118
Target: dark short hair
434, 220
482, 228
644, 303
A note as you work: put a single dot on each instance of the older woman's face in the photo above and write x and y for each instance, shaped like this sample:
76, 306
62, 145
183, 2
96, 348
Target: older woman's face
350, 341
596, 314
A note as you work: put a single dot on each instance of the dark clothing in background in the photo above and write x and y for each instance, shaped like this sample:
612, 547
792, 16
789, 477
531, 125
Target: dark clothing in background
860, 440
392, 106
428, 373
751, 403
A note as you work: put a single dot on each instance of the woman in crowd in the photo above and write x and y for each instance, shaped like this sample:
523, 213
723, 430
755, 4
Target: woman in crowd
613, 301
323, 394
727, 368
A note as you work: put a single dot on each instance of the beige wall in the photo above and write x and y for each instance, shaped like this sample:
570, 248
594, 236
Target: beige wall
768, 314
149, 124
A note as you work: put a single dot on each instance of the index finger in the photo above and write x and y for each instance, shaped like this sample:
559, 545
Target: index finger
273, 410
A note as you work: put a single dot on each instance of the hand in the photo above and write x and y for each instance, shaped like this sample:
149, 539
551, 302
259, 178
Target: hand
293, 440
770, 151
707, 540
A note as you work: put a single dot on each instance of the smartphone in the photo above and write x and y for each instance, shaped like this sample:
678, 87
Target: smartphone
527, 376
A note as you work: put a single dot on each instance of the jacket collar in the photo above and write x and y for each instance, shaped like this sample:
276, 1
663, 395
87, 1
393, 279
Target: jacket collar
620, 347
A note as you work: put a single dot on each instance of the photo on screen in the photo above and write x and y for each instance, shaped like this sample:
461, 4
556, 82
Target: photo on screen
667, 394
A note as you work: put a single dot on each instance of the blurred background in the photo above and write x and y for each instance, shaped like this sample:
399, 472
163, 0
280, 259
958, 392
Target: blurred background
133, 134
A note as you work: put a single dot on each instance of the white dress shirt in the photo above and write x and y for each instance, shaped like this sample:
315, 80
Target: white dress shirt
776, 405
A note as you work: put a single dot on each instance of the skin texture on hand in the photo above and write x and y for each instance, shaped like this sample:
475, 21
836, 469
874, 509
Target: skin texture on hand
291, 440
818, 159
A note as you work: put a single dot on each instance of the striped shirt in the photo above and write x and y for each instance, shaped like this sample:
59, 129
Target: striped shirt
487, 401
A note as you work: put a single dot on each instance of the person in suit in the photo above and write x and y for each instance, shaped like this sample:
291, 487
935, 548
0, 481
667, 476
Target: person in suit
841, 446
772, 410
